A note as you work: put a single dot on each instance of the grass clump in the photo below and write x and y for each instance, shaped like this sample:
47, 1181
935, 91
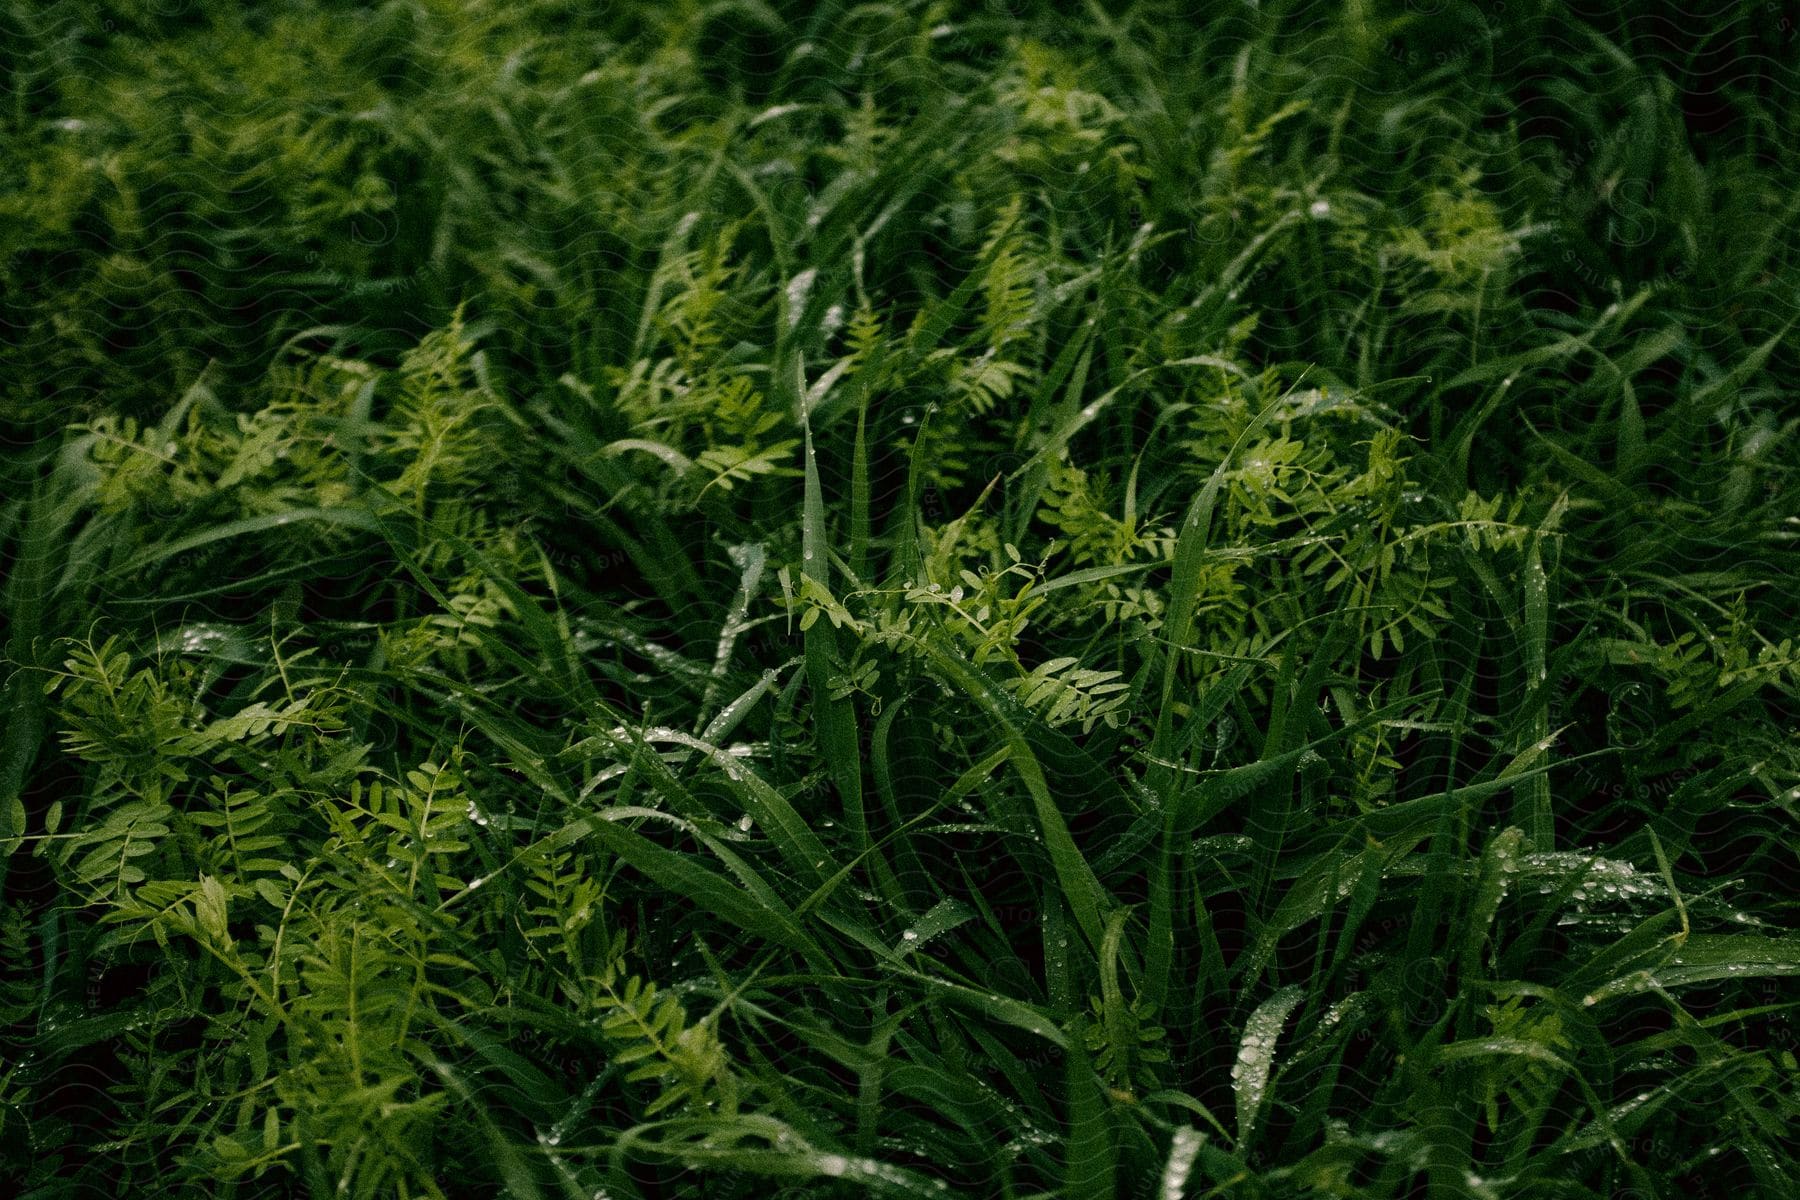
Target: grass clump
898, 599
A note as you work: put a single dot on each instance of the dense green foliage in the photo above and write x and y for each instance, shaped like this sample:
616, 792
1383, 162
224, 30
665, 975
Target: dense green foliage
911, 599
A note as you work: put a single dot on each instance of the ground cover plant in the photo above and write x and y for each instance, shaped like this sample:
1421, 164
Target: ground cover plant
898, 599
